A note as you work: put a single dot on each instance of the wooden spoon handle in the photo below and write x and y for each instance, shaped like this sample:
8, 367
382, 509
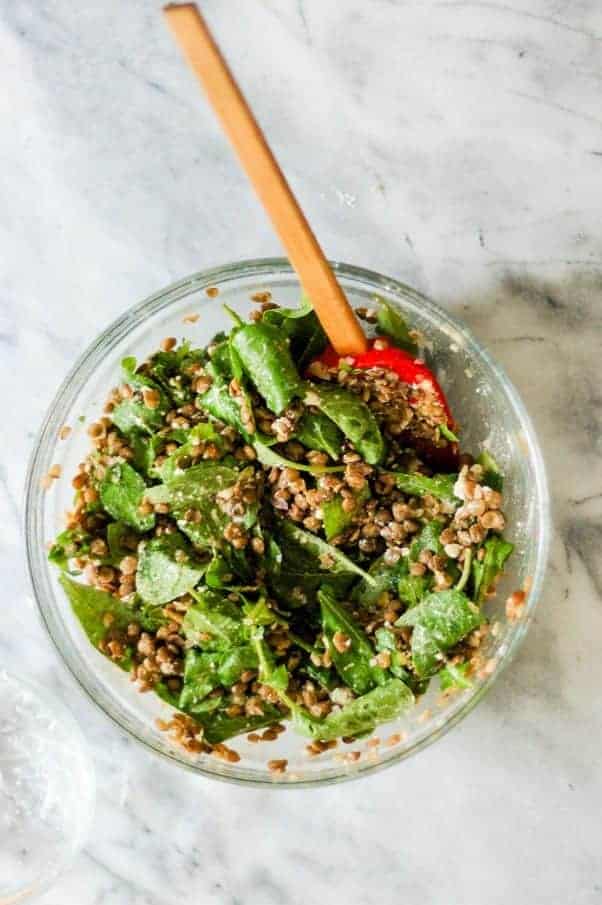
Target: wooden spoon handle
204, 57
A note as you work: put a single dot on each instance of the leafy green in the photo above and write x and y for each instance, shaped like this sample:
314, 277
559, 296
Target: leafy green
195, 490
353, 664
412, 588
440, 620
298, 588
448, 433
315, 552
131, 416
427, 655
303, 329
327, 678
166, 569
316, 431
428, 539
266, 358
448, 615
384, 703
117, 535
384, 577
220, 403
199, 434
145, 451
219, 573
218, 726
466, 570
393, 324
440, 486
166, 369
492, 476
194, 484
454, 675
352, 416
270, 458
276, 677
121, 492
336, 518
384, 639
206, 670
216, 617
68, 544
485, 571
91, 606
220, 360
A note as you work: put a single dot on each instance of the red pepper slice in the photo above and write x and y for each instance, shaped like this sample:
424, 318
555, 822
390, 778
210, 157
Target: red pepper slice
413, 372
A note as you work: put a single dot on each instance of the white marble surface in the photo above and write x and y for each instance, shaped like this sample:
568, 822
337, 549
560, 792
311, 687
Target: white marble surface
456, 145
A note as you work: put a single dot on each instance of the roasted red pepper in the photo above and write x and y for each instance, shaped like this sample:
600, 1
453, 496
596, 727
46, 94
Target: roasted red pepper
413, 372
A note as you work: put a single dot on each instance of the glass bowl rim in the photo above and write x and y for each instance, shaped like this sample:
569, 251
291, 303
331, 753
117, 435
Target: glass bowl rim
118, 329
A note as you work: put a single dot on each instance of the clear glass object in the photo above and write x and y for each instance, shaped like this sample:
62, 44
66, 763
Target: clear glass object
46, 789
484, 402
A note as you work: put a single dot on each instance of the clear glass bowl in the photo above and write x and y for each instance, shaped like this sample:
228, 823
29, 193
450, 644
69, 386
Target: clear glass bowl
484, 402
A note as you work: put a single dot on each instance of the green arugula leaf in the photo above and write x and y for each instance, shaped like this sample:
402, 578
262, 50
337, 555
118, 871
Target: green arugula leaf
448, 615
442, 619
201, 433
336, 518
312, 550
216, 617
428, 539
385, 640
91, 606
195, 490
299, 589
412, 588
354, 664
131, 416
266, 358
327, 678
446, 432
70, 543
166, 569
440, 486
219, 402
121, 492
276, 677
316, 431
485, 571
207, 670
118, 533
166, 370
466, 570
427, 655
382, 704
352, 416
145, 451
270, 458
218, 726
303, 329
454, 675
384, 578
492, 476
392, 323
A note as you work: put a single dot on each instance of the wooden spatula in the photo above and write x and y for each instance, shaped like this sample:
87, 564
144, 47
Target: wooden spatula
306, 256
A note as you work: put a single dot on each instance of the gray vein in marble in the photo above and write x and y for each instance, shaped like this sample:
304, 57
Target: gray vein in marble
503, 8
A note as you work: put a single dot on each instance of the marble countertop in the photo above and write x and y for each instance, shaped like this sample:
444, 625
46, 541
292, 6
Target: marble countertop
456, 145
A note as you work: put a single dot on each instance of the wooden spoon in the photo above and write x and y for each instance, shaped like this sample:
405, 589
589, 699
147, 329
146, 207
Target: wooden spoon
204, 57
